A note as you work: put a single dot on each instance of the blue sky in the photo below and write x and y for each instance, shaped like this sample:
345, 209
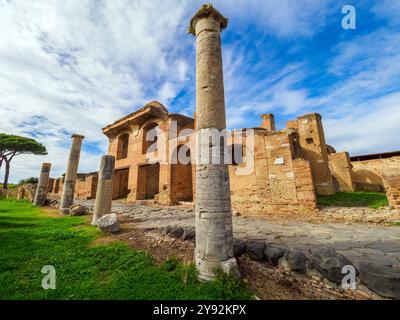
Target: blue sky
75, 66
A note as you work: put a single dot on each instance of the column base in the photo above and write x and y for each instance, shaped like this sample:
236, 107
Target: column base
64, 211
207, 269
94, 221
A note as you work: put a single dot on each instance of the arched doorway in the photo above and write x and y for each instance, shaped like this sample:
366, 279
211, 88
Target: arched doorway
181, 175
148, 181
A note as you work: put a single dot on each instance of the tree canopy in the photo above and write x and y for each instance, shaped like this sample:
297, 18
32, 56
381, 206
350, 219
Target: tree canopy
12, 145
29, 180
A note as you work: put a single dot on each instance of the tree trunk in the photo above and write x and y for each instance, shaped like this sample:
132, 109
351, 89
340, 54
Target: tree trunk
6, 174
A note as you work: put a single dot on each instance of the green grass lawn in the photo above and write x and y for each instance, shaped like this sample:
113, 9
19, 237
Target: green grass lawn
355, 199
31, 239
10, 186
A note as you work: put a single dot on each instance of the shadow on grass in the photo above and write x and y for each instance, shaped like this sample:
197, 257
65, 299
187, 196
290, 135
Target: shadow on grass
84, 271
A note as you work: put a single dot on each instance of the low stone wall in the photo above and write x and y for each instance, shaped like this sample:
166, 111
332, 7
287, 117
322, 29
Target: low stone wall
22, 192
4, 193
317, 272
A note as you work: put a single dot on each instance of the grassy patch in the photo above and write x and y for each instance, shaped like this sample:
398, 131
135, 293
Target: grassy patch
31, 239
10, 186
354, 199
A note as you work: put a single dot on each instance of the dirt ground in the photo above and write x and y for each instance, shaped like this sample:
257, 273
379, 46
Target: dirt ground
259, 277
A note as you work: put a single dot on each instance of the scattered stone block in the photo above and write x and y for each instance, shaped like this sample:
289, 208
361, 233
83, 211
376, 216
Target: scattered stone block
78, 210
273, 254
384, 281
188, 234
329, 263
230, 267
296, 260
239, 247
109, 223
165, 230
255, 249
176, 232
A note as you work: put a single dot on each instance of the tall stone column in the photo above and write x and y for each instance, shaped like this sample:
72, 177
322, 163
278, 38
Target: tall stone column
103, 200
214, 239
41, 190
67, 198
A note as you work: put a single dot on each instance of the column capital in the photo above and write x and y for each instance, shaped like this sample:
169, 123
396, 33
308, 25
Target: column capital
75, 135
46, 165
205, 11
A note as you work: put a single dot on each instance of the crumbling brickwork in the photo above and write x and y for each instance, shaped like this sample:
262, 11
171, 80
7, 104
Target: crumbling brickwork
290, 166
147, 179
314, 149
280, 180
367, 175
380, 172
86, 185
342, 172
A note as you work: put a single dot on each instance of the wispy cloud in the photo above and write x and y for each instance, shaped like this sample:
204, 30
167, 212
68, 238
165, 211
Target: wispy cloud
75, 66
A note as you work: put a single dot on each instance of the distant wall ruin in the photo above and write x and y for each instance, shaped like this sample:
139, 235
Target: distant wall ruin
291, 166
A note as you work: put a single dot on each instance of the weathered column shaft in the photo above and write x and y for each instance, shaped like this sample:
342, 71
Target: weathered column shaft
67, 198
214, 240
103, 200
41, 190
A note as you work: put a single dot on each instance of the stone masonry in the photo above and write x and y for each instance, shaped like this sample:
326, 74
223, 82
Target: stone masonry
214, 240
41, 191
291, 165
67, 198
104, 188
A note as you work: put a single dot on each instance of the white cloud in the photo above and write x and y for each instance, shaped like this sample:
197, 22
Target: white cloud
388, 9
75, 66
281, 18
369, 128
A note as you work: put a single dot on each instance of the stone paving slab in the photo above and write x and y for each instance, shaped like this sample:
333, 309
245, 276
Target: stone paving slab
358, 242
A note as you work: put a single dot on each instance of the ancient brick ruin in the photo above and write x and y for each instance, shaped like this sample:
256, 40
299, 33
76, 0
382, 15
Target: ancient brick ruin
291, 166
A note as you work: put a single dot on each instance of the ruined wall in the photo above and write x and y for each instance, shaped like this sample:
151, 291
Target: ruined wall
22, 192
142, 178
314, 149
250, 193
120, 183
391, 179
50, 185
85, 187
181, 182
279, 181
341, 169
268, 122
379, 175
55, 187
367, 174
306, 195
